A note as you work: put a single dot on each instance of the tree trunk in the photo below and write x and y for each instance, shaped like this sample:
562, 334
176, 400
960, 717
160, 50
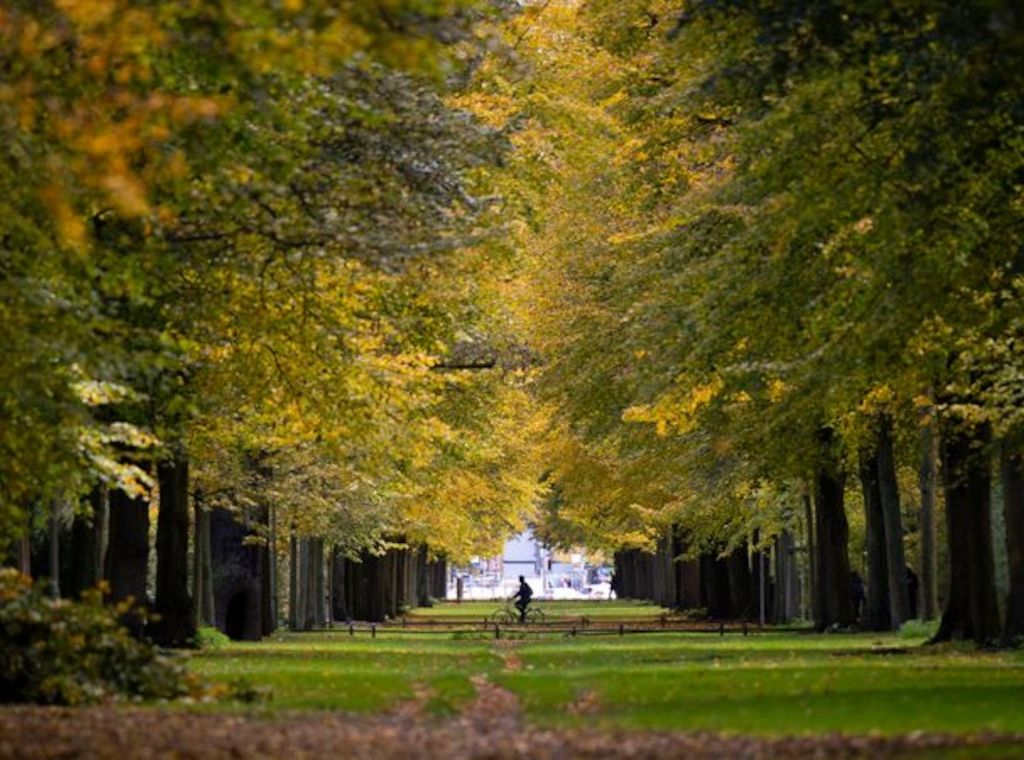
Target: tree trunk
339, 587
401, 579
876, 614
293, 582
888, 488
439, 579
307, 585
423, 577
714, 574
319, 588
373, 567
394, 585
928, 478
24, 556
268, 614
832, 562
275, 601
971, 606
202, 562
86, 556
175, 625
53, 546
1013, 510
812, 569
760, 584
787, 581
740, 583
127, 562
688, 581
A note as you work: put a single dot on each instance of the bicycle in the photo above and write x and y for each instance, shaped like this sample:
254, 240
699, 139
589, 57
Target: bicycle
509, 615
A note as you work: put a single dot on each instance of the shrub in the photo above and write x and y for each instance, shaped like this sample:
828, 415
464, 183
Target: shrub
55, 651
919, 629
208, 637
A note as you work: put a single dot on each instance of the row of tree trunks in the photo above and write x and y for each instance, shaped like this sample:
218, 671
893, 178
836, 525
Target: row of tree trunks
378, 587
728, 587
786, 599
233, 585
78, 555
887, 605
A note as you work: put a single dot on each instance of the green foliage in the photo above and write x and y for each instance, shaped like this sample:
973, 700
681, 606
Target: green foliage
250, 233
210, 638
74, 653
919, 629
747, 221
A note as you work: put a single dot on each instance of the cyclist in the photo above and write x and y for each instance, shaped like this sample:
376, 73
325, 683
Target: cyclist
522, 598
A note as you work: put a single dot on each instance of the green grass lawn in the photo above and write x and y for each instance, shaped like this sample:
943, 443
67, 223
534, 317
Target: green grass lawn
332, 671
626, 609
763, 684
